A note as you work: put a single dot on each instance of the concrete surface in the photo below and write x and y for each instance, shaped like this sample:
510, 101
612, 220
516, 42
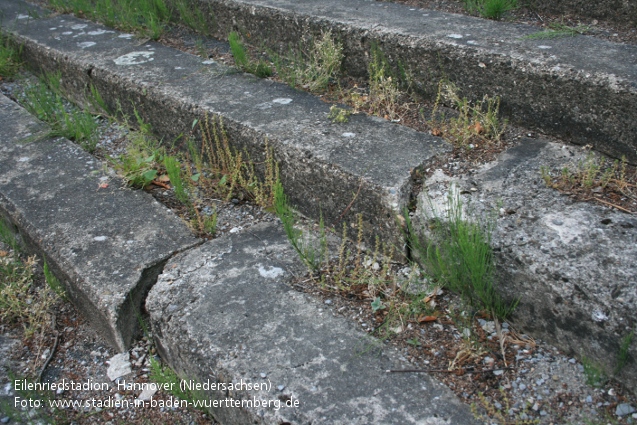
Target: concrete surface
107, 245
581, 88
572, 264
323, 165
223, 313
620, 11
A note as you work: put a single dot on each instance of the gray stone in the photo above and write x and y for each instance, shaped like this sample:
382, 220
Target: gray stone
541, 82
561, 273
237, 319
49, 191
624, 409
118, 366
322, 170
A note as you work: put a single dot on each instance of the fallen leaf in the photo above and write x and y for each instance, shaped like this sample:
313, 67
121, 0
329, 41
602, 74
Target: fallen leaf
163, 178
477, 127
4, 253
425, 319
436, 132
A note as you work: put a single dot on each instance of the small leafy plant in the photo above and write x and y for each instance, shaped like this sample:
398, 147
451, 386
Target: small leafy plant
259, 68
339, 115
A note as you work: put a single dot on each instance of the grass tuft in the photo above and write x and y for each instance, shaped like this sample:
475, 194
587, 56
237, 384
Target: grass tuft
315, 69
491, 9
9, 59
44, 100
458, 255
241, 59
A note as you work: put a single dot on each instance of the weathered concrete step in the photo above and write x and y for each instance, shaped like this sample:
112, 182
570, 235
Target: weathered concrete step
223, 313
572, 264
325, 167
581, 88
107, 244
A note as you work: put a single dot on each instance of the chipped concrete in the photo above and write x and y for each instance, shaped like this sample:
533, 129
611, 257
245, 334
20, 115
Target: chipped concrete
325, 167
216, 319
107, 245
573, 264
580, 87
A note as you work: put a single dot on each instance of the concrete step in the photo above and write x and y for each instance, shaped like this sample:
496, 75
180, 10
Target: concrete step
338, 170
580, 88
222, 314
107, 245
573, 265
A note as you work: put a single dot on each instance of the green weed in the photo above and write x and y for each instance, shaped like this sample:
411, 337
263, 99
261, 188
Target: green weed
457, 254
384, 92
259, 68
315, 69
479, 121
9, 59
20, 300
167, 378
339, 115
8, 238
305, 247
594, 373
491, 9
622, 356
53, 282
557, 30
140, 165
174, 173
146, 17
191, 16
596, 178
44, 100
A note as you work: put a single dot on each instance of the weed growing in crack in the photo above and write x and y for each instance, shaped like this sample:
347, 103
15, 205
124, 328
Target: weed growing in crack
53, 282
383, 86
491, 9
146, 17
305, 247
44, 100
594, 373
622, 355
191, 16
173, 169
9, 59
20, 299
259, 68
475, 122
457, 254
596, 178
339, 115
140, 165
315, 70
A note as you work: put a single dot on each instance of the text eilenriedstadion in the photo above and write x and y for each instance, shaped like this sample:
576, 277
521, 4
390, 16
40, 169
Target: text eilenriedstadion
185, 386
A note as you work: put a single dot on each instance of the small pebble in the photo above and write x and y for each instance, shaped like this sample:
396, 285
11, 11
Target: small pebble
263, 375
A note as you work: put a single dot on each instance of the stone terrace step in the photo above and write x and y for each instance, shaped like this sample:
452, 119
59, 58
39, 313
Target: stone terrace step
222, 313
325, 167
107, 245
581, 88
